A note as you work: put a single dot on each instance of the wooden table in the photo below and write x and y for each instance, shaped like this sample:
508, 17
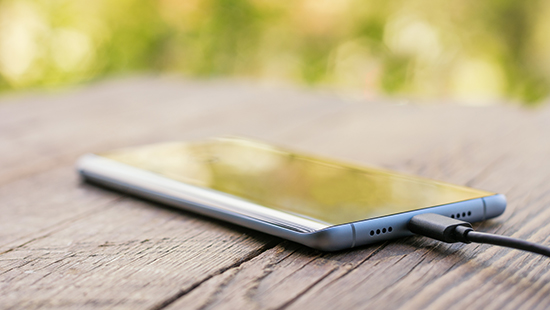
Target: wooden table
65, 244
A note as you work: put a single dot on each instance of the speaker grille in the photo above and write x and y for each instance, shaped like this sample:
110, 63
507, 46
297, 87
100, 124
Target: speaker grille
381, 231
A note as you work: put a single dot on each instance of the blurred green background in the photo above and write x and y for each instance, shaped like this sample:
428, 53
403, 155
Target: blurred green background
470, 51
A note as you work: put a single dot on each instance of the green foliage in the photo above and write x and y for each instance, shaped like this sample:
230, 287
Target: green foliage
470, 50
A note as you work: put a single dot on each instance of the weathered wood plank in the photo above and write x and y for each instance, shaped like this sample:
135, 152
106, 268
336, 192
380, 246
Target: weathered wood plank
34, 207
133, 254
66, 245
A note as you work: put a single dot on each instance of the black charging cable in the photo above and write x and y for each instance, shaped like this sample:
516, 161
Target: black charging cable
451, 230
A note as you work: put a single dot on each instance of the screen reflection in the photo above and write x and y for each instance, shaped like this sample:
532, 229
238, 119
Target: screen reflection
306, 186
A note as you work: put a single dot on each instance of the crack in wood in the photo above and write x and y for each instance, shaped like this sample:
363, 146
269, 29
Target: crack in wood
169, 301
267, 270
52, 229
302, 267
307, 289
315, 283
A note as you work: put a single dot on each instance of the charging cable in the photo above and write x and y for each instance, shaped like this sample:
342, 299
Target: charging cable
451, 230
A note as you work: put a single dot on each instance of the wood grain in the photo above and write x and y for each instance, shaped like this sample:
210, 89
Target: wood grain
65, 244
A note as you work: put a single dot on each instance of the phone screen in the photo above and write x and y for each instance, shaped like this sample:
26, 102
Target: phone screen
324, 190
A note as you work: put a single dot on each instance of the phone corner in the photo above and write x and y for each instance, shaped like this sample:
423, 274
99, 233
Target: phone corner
81, 163
494, 205
334, 238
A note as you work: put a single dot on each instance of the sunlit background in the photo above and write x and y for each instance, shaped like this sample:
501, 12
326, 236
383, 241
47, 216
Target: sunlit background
469, 51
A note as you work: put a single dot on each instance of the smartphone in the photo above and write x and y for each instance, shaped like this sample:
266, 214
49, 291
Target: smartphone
321, 203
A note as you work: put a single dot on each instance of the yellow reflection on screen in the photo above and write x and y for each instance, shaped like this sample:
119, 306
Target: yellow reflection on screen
327, 191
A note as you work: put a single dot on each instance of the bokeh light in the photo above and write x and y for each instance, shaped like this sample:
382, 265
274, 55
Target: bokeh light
471, 51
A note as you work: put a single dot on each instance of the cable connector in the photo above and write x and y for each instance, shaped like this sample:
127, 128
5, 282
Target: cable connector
440, 227
451, 230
